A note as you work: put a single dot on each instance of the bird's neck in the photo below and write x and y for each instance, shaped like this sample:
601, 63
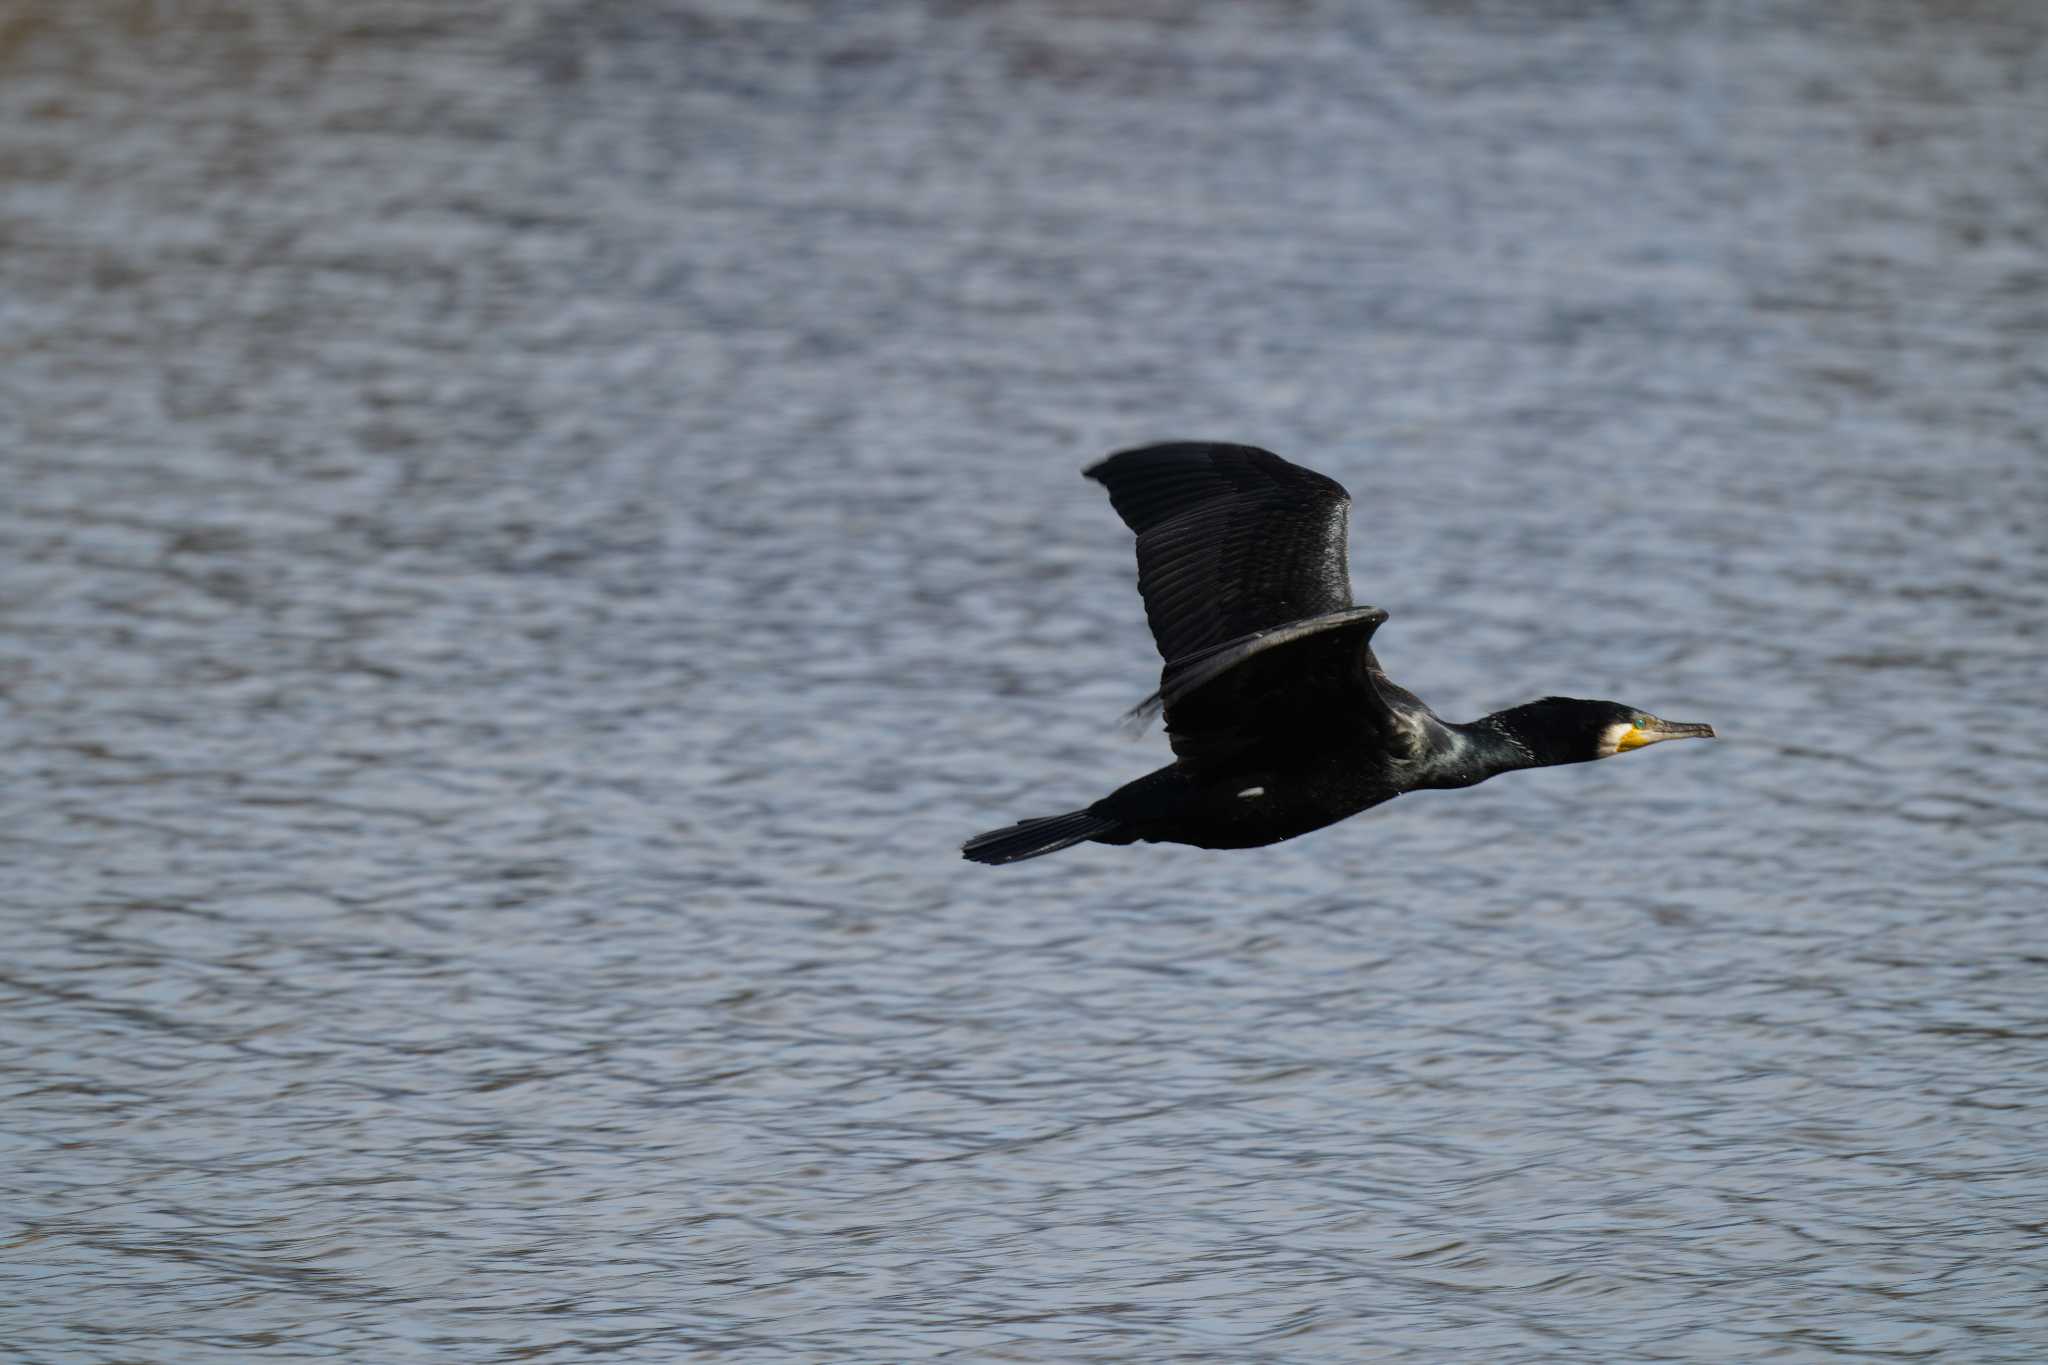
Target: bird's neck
1478, 750
1519, 738
1505, 747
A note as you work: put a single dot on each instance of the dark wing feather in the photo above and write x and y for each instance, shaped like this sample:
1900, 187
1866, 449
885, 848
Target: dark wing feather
1333, 650
1297, 682
1232, 540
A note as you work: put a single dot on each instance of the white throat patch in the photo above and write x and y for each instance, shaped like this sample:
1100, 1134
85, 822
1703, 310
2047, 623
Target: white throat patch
1611, 737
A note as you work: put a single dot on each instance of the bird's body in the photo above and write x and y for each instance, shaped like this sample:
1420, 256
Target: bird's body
1281, 719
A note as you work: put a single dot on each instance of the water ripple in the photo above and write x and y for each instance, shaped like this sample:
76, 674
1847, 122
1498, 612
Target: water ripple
536, 530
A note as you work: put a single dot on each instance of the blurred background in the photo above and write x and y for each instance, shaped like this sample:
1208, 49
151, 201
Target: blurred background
532, 530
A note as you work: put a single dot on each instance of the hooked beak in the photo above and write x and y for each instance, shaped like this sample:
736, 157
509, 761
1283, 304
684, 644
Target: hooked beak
1656, 730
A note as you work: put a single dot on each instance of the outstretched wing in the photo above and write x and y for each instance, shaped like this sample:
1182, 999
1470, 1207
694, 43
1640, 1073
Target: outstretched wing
1322, 654
1308, 682
1232, 541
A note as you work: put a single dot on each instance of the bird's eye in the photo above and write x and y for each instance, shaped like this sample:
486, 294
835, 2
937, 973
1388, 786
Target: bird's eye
1642, 722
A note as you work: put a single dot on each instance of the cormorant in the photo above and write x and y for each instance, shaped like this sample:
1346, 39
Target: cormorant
1280, 716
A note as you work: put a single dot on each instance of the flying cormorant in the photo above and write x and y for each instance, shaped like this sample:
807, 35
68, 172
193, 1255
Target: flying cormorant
1281, 719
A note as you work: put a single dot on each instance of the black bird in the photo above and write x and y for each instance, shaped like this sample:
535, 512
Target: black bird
1281, 718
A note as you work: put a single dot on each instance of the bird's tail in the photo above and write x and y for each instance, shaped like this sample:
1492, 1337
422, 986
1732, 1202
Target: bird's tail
1033, 838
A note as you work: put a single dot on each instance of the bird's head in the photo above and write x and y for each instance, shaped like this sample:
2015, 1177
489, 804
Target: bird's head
1573, 730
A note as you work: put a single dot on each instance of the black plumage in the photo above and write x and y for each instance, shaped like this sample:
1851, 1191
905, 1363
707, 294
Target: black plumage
1280, 716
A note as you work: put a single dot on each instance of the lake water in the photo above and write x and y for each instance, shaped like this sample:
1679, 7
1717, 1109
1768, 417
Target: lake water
533, 530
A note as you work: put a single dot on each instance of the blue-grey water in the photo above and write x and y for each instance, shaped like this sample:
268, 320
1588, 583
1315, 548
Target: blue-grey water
531, 531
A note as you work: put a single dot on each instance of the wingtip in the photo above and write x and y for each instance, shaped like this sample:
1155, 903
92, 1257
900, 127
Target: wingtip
1165, 451
1100, 469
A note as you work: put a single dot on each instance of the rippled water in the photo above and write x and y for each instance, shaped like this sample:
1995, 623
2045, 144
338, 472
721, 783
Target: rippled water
533, 531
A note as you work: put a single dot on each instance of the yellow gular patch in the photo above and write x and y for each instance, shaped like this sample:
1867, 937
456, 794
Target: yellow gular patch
1634, 739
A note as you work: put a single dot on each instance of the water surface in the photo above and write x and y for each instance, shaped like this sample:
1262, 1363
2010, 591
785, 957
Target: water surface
533, 530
